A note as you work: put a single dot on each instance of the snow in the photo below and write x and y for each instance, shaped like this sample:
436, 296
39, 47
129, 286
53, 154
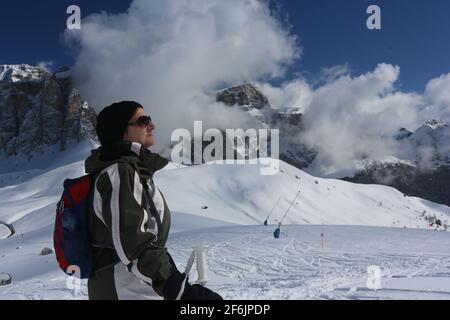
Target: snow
244, 260
239, 194
19, 72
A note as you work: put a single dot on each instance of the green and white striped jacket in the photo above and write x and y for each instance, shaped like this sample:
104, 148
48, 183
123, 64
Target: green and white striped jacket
128, 237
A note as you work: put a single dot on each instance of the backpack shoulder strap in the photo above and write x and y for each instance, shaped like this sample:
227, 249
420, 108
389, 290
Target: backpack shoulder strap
151, 205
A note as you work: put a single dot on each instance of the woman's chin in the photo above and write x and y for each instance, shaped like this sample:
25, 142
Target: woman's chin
149, 142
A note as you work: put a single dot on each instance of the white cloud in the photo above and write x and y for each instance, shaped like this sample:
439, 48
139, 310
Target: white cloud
294, 94
45, 65
352, 118
169, 54
348, 118
437, 94
330, 74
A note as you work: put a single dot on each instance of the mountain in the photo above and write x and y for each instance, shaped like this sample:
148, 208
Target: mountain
41, 110
421, 167
330, 234
246, 96
289, 122
431, 142
425, 174
38, 109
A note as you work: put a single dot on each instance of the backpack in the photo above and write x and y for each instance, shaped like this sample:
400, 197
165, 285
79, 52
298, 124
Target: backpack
71, 234
71, 241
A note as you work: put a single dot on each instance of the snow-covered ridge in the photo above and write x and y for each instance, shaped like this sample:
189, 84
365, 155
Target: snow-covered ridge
430, 143
432, 133
239, 194
21, 72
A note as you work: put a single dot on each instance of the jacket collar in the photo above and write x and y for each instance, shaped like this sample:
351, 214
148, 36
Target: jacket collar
145, 161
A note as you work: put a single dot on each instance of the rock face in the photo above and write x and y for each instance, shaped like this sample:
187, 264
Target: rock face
37, 108
289, 122
402, 134
246, 96
46, 251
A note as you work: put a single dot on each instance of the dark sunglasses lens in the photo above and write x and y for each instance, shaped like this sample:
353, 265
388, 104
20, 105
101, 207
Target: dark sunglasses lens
144, 120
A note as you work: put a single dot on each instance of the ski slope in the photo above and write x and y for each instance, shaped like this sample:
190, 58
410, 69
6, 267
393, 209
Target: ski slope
223, 206
239, 194
246, 262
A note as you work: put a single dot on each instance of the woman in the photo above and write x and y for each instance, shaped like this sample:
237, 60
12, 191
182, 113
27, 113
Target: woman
129, 218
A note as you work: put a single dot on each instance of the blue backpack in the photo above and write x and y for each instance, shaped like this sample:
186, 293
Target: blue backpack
71, 234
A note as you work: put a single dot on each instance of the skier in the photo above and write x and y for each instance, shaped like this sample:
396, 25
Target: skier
129, 218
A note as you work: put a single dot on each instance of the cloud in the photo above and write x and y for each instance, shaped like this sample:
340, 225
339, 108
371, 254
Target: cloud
437, 90
330, 74
170, 55
354, 118
437, 94
293, 94
45, 65
348, 118
351, 118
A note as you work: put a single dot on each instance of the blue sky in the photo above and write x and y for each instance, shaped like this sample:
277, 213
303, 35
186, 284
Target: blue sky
415, 34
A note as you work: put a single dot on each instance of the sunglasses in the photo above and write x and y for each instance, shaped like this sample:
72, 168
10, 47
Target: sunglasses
143, 121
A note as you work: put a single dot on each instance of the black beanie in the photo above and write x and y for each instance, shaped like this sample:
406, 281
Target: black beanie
112, 121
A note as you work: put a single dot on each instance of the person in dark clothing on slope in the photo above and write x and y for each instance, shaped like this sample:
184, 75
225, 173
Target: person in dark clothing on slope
129, 217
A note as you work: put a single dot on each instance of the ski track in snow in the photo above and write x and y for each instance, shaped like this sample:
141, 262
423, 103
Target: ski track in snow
246, 262
292, 267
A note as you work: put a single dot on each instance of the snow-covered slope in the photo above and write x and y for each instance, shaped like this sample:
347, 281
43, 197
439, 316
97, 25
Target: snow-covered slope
246, 262
239, 194
223, 205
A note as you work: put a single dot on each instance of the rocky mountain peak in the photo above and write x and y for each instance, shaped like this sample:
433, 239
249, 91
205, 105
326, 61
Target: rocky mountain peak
403, 133
435, 124
246, 96
37, 109
21, 72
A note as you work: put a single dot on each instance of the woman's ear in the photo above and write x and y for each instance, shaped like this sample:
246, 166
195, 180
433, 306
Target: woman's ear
125, 134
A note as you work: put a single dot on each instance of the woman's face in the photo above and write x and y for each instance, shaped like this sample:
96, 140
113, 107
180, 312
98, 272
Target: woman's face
140, 132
